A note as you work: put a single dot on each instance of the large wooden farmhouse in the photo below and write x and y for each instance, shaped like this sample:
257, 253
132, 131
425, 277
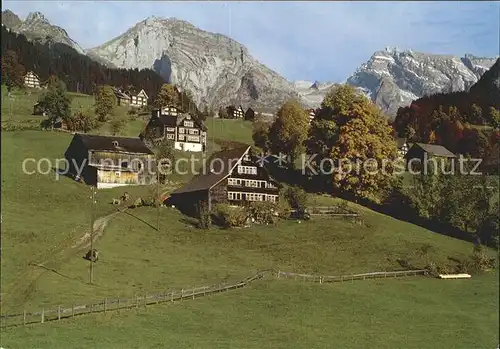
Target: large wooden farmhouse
107, 162
31, 80
311, 113
139, 100
231, 177
187, 132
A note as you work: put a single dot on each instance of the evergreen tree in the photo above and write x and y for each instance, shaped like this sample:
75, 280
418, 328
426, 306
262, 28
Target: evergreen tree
12, 70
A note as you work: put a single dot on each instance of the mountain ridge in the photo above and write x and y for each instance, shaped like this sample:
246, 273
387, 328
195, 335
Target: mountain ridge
218, 70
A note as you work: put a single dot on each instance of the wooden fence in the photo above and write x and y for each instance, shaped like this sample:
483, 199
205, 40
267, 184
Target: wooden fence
117, 304
325, 278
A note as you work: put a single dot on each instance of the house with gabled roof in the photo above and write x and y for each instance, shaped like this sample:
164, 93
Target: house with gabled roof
186, 131
107, 162
139, 100
231, 176
121, 97
31, 80
419, 152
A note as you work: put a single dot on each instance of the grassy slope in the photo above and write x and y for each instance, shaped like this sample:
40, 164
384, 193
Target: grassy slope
41, 214
383, 314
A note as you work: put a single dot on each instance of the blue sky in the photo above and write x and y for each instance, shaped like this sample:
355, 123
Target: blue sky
322, 41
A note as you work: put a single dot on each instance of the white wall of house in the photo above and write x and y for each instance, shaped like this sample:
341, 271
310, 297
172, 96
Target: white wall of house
185, 146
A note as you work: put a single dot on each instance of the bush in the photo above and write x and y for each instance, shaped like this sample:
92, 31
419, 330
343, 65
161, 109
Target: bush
479, 258
24, 125
205, 220
264, 212
228, 216
297, 198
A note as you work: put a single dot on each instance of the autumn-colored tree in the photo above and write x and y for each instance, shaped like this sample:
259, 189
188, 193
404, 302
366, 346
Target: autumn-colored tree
432, 138
12, 70
289, 131
167, 96
495, 117
82, 120
476, 115
350, 127
105, 102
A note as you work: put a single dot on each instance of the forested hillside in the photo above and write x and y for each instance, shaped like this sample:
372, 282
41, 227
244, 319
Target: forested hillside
79, 72
465, 122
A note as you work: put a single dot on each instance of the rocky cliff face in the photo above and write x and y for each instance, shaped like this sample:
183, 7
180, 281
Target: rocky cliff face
393, 78
11, 20
216, 69
38, 28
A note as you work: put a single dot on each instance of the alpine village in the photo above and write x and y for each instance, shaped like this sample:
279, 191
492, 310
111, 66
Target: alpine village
180, 194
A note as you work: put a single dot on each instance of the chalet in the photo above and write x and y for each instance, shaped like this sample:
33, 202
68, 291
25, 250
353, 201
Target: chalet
121, 97
311, 113
139, 100
233, 177
403, 146
31, 80
187, 132
235, 113
266, 114
419, 152
108, 162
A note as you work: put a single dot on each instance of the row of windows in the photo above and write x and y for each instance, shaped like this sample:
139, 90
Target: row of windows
250, 183
251, 196
247, 170
188, 124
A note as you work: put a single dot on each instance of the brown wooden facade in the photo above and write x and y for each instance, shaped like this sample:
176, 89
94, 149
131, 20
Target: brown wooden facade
240, 184
187, 132
31, 80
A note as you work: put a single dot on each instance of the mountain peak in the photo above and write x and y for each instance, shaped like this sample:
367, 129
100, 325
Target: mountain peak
36, 16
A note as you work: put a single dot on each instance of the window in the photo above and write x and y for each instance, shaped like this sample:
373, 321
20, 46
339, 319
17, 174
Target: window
171, 129
247, 169
247, 157
193, 138
124, 164
181, 130
117, 174
171, 136
188, 124
193, 132
181, 137
230, 196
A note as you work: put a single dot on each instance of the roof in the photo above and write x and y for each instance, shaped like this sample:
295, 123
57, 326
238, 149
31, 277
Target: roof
173, 121
120, 94
106, 143
221, 169
32, 72
437, 150
400, 142
142, 92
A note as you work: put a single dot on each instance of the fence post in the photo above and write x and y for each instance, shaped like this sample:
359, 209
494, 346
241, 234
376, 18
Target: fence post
118, 306
145, 300
43, 315
91, 307
172, 296
278, 275
73, 310
105, 303
193, 293
59, 313
157, 298
182, 294
320, 279
137, 301
24, 317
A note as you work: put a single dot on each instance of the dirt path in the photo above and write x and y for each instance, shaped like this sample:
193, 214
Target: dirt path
26, 283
